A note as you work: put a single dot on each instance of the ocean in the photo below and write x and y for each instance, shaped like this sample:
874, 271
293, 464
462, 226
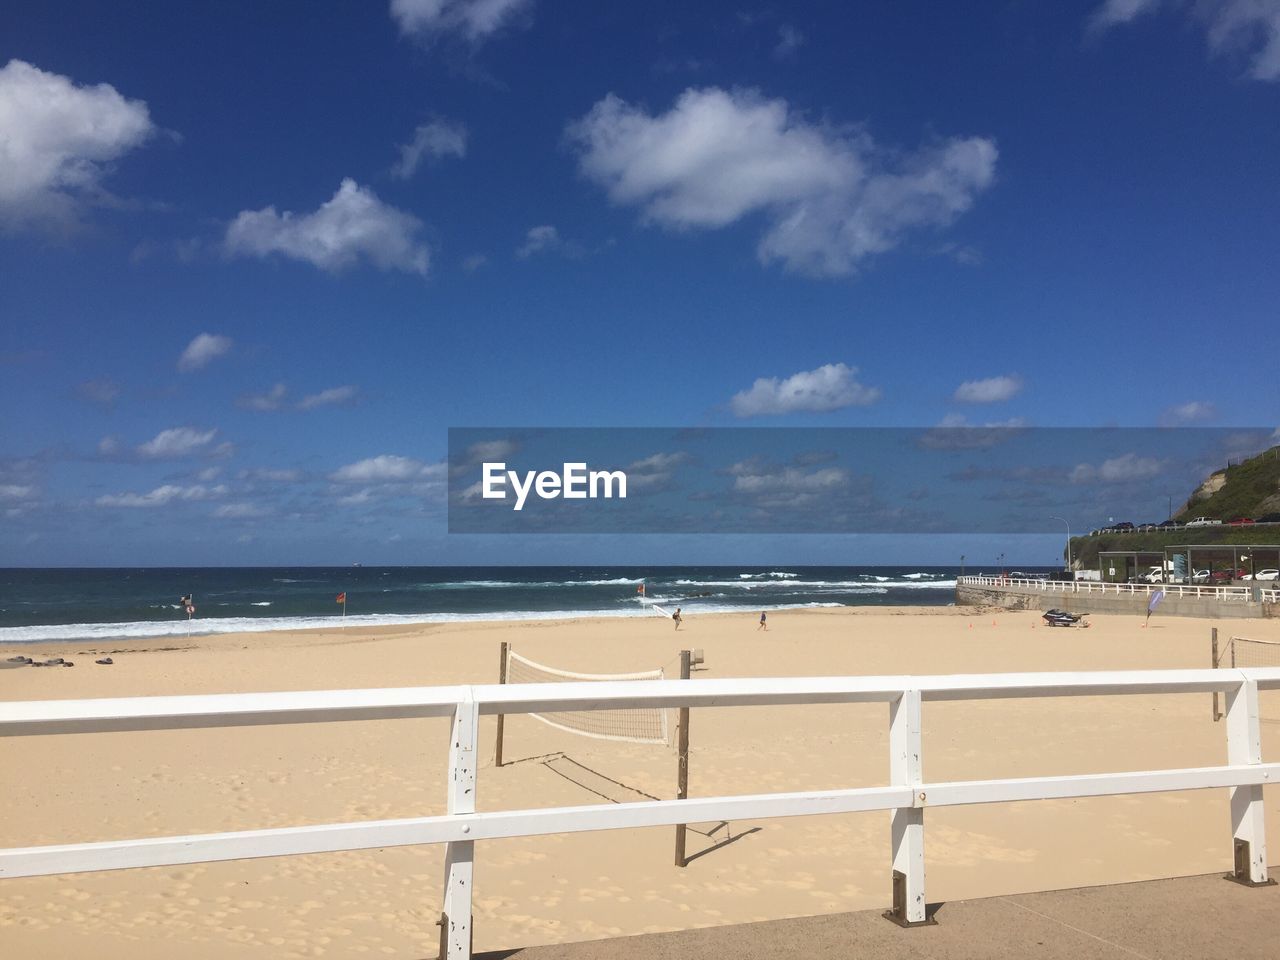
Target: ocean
83, 604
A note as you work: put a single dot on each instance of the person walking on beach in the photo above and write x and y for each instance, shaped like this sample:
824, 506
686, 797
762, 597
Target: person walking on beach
764, 623
676, 617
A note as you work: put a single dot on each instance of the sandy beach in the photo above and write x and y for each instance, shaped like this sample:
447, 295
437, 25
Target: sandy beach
376, 903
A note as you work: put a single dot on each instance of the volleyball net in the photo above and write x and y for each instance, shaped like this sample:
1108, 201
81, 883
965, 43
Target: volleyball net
632, 725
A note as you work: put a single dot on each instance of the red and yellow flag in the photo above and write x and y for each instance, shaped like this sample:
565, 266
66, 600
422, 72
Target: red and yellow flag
342, 598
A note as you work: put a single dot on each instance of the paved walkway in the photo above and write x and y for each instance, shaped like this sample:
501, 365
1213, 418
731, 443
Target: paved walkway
1197, 918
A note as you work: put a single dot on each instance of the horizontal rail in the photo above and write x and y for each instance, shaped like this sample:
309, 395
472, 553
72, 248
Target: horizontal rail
328, 838
21, 718
334, 837
224, 710
1097, 784
1238, 594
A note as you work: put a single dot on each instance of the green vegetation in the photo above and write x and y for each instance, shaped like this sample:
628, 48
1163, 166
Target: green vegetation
1084, 550
1247, 489
1251, 489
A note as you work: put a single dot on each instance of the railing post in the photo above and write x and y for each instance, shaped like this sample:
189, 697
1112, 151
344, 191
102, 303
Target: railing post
1248, 824
455, 920
907, 823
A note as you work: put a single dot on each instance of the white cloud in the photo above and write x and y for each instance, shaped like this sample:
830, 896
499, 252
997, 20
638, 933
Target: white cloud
546, 239
431, 141
102, 391
270, 475
353, 225
1247, 27
474, 262
830, 198
387, 476
990, 390
830, 387
56, 142
109, 446
959, 420
788, 480
161, 496
16, 491
328, 398
655, 470
384, 469
273, 399
1197, 411
1121, 469
203, 350
240, 511
176, 443
789, 41
955, 432
473, 19
1113, 12
276, 398
660, 462
537, 240
491, 450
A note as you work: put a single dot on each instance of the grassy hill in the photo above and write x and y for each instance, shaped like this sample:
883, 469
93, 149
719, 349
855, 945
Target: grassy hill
1247, 489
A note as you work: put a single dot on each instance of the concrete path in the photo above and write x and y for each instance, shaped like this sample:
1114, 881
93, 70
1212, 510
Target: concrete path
1197, 918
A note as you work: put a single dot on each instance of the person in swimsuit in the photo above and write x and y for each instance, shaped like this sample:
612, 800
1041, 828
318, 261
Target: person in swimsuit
676, 617
764, 624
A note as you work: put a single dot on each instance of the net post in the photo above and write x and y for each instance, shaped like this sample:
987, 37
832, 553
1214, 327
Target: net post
682, 761
502, 678
1248, 822
1213, 640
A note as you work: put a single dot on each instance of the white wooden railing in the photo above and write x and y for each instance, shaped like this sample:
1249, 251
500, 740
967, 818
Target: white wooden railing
1240, 594
907, 796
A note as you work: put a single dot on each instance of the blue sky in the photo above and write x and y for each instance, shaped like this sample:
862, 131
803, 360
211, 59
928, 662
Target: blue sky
255, 259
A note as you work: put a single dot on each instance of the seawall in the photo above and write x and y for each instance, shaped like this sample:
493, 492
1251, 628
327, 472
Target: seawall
1018, 597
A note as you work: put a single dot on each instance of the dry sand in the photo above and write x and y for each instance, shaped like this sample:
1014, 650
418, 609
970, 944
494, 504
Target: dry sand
377, 903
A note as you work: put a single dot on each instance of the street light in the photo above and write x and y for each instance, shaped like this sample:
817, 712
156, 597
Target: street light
1073, 576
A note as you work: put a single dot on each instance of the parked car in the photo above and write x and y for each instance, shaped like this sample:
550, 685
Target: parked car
1200, 576
1240, 521
1204, 522
1268, 574
1226, 576
1269, 518
1168, 523
1126, 525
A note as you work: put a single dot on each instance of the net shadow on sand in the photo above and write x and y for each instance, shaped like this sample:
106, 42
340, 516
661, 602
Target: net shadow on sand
615, 791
